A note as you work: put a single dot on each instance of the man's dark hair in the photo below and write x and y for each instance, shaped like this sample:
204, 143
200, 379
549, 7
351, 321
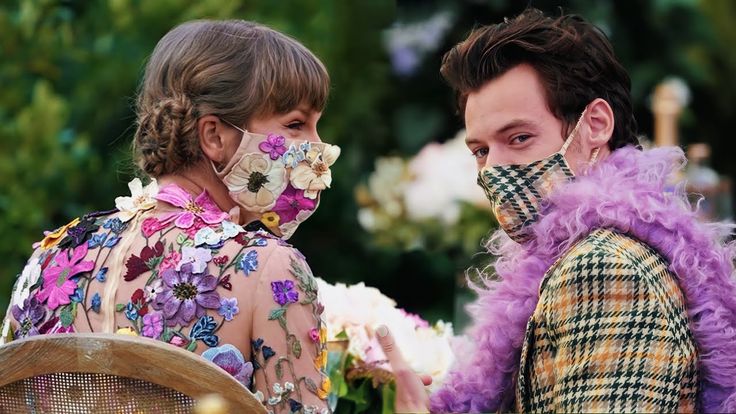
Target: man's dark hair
573, 58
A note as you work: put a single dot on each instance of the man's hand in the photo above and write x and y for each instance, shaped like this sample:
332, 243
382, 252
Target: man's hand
411, 396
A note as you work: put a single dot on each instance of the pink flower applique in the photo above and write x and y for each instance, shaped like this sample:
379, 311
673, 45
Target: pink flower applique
202, 207
57, 286
291, 202
151, 225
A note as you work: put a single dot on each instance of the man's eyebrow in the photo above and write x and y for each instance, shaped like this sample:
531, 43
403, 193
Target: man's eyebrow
514, 123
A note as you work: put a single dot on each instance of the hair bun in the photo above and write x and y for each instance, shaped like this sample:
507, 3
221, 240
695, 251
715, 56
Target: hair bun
166, 138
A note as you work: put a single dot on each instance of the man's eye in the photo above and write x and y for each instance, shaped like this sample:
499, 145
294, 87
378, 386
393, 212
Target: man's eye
520, 139
480, 153
295, 125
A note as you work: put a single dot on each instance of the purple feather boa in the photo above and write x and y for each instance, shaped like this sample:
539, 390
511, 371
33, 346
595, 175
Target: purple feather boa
630, 191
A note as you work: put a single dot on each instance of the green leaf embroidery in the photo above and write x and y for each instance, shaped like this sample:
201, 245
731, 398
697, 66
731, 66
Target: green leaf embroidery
119, 307
296, 346
311, 386
181, 238
277, 313
282, 322
238, 259
66, 316
192, 346
279, 369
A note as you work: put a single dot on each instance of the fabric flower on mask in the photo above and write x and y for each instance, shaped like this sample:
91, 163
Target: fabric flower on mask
291, 202
186, 295
57, 286
288, 229
292, 157
256, 182
212, 237
270, 219
273, 146
316, 175
202, 207
141, 199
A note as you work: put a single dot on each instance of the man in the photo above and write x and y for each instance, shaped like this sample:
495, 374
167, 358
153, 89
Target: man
611, 295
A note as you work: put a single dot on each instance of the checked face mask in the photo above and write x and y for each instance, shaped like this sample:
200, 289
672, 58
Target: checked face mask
517, 191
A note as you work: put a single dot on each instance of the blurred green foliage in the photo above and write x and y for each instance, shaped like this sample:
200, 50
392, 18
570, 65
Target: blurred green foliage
70, 69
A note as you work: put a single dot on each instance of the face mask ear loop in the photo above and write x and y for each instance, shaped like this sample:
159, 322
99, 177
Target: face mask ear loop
219, 172
571, 137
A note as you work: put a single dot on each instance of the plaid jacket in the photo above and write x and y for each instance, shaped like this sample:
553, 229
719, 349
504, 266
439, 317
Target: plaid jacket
609, 334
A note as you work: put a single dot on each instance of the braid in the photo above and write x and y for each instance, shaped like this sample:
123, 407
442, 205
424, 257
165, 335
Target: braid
166, 138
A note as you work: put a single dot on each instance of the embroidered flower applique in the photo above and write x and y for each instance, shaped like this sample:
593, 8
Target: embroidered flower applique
140, 199
58, 286
202, 207
262, 179
273, 146
186, 295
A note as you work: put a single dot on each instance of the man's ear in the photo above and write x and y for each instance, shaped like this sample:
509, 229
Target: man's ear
600, 123
213, 136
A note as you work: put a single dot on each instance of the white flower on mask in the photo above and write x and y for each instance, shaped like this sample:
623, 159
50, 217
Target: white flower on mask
257, 181
141, 199
292, 157
315, 176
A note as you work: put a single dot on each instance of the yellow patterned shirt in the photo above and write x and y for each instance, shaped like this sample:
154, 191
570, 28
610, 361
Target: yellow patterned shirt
610, 334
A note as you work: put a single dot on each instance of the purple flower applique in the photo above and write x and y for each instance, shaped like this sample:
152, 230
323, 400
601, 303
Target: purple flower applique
273, 146
228, 308
196, 256
231, 360
186, 296
283, 292
32, 313
153, 325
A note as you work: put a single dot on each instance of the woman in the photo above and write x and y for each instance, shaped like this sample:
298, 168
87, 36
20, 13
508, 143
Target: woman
227, 134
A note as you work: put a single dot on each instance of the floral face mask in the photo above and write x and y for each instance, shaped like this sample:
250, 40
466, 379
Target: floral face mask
517, 192
279, 178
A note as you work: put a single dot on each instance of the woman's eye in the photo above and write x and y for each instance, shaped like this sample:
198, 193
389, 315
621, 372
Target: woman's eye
295, 125
520, 139
480, 153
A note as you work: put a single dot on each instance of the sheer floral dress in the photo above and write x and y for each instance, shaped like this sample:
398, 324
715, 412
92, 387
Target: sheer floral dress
171, 266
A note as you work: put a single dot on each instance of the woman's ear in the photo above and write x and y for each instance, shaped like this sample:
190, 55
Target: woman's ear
600, 122
216, 138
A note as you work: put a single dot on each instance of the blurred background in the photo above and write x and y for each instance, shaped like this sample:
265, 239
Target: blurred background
404, 214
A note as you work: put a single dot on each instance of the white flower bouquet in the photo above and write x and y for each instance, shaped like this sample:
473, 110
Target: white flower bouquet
361, 378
